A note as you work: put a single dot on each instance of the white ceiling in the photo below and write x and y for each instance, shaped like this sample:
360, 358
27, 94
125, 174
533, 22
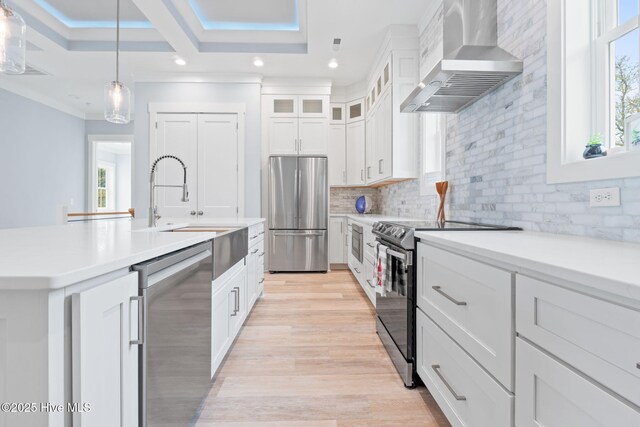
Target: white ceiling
79, 61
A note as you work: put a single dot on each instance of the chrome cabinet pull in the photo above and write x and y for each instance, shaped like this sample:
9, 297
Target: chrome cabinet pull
200, 213
300, 145
237, 308
439, 290
255, 251
261, 281
261, 233
436, 369
370, 284
262, 254
357, 271
255, 236
381, 166
235, 302
370, 245
369, 172
140, 301
193, 213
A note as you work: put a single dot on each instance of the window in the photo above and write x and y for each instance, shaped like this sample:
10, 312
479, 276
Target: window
433, 153
105, 186
593, 88
616, 85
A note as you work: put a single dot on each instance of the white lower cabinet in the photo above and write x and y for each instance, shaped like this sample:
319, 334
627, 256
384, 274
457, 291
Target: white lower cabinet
463, 389
228, 304
104, 359
550, 394
473, 303
337, 240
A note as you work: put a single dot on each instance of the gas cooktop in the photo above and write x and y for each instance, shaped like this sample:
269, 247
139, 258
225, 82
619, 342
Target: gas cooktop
401, 233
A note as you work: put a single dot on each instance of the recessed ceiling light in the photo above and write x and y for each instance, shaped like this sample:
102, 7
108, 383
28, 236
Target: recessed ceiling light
258, 62
180, 61
333, 63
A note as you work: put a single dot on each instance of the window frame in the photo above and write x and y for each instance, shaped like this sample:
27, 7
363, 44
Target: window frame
559, 168
110, 183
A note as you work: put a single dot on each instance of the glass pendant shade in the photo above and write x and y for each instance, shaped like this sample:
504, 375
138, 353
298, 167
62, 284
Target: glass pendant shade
13, 41
117, 103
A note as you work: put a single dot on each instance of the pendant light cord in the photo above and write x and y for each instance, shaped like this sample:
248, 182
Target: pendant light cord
118, 42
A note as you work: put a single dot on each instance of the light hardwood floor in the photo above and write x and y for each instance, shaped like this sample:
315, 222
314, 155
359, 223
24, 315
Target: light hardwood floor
309, 356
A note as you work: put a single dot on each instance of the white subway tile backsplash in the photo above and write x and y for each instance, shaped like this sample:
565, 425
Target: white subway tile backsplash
496, 154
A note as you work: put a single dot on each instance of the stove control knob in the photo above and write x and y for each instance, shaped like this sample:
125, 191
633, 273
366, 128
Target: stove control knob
400, 233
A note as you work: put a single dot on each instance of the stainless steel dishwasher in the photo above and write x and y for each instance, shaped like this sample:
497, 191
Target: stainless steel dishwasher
175, 335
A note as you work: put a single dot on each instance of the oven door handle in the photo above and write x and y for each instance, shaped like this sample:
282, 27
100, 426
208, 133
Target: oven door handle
399, 255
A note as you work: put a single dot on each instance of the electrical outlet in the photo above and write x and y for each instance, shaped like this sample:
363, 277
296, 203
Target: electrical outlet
604, 197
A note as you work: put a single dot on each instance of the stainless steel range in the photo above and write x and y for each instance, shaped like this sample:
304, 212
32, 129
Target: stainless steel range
396, 309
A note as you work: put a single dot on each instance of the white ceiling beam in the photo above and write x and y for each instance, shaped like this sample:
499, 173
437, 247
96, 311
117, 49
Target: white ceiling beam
170, 26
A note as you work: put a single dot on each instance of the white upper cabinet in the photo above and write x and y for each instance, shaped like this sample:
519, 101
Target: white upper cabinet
283, 136
392, 137
355, 110
283, 106
337, 153
296, 124
337, 116
356, 153
310, 106
313, 136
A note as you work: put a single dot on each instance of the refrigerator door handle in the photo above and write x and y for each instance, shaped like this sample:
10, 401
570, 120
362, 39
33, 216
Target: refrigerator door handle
298, 194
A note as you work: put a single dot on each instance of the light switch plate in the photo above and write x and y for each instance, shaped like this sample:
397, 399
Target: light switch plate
603, 197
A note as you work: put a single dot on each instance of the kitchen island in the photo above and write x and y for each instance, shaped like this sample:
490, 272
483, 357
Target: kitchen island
41, 270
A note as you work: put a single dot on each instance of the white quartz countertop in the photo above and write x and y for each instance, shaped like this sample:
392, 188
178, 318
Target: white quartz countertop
608, 266
53, 257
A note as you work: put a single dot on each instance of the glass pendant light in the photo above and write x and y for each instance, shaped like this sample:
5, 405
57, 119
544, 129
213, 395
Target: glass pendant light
13, 42
117, 97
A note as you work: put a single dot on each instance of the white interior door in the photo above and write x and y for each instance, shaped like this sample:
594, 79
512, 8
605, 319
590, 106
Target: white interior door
177, 135
218, 166
105, 363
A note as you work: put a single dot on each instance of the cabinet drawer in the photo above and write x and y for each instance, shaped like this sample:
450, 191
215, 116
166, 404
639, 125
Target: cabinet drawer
599, 338
473, 303
464, 391
552, 395
256, 233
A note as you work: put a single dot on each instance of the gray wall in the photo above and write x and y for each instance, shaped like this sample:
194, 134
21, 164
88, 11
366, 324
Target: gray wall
42, 162
496, 154
103, 127
248, 94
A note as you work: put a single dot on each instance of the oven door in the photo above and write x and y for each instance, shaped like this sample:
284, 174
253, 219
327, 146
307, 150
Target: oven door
356, 243
396, 309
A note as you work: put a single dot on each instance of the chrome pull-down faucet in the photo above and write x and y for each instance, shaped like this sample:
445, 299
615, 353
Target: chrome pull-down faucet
153, 209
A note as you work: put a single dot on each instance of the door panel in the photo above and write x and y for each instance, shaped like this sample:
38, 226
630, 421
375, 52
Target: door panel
298, 250
337, 153
218, 165
313, 136
177, 135
312, 203
356, 152
105, 362
283, 192
283, 136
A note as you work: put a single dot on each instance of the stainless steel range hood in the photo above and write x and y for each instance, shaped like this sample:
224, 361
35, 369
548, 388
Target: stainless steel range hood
472, 64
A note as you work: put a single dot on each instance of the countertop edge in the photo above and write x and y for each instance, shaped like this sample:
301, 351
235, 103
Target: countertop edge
35, 283
526, 266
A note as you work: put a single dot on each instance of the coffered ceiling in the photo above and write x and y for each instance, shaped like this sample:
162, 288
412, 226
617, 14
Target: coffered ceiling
72, 42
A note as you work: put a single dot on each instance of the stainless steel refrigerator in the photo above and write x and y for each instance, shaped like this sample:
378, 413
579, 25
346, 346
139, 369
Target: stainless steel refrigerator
298, 210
